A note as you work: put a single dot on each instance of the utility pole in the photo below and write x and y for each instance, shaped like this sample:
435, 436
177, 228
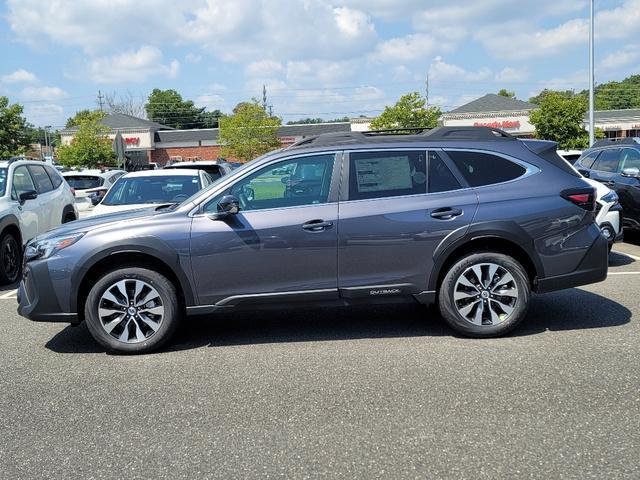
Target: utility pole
270, 111
592, 128
100, 99
264, 97
426, 93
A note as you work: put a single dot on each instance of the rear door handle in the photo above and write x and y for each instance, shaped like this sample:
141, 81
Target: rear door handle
446, 213
316, 225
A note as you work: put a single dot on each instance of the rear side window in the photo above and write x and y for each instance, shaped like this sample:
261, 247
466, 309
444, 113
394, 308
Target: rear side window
484, 168
608, 160
440, 177
588, 160
387, 174
54, 176
41, 179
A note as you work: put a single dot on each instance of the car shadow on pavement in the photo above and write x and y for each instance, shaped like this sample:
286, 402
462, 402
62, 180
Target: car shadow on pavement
5, 289
619, 259
572, 309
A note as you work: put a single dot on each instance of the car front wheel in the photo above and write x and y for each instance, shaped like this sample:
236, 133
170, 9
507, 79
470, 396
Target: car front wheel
10, 259
484, 295
132, 310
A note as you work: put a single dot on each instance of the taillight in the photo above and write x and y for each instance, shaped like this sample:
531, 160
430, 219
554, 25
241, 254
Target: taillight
582, 197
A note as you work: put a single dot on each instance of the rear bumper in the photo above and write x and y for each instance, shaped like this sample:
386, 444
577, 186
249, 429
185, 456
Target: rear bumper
592, 269
36, 298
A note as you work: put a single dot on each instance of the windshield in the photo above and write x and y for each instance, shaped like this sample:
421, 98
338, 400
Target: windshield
153, 189
83, 182
3, 181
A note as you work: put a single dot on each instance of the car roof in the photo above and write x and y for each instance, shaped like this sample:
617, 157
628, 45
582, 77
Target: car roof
186, 172
196, 163
89, 172
7, 163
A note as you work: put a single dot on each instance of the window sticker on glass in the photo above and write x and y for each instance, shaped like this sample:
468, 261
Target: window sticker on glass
390, 173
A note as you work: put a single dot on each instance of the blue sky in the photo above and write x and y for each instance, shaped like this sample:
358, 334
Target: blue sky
318, 58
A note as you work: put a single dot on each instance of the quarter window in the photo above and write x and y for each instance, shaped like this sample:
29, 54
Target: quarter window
387, 174
41, 179
440, 177
55, 177
630, 158
608, 160
588, 160
480, 169
290, 183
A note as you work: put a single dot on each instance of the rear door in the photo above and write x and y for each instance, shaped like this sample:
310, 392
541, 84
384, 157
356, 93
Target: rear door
605, 168
396, 207
50, 208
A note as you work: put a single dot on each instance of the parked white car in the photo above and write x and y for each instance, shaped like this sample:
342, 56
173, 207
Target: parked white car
33, 199
150, 188
89, 183
608, 212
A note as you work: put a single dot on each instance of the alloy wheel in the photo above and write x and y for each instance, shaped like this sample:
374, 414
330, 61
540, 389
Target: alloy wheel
10, 260
131, 311
485, 294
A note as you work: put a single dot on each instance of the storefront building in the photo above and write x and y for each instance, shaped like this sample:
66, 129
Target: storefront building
495, 111
147, 141
618, 123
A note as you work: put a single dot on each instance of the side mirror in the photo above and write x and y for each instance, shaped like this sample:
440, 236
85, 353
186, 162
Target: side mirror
28, 195
228, 205
631, 172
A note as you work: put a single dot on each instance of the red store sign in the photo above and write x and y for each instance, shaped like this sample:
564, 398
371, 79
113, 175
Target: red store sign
133, 141
503, 124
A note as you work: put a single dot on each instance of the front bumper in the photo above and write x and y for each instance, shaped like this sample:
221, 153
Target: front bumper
36, 298
592, 269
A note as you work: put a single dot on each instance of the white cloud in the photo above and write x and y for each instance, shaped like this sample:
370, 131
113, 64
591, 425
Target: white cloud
621, 22
44, 114
193, 58
625, 57
19, 76
440, 71
131, 66
321, 72
264, 68
217, 87
42, 93
510, 74
210, 101
408, 48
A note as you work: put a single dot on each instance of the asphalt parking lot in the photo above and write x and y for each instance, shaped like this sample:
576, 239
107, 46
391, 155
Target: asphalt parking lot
377, 392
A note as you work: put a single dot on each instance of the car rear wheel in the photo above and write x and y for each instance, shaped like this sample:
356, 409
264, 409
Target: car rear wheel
132, 310
484, 295
10, 259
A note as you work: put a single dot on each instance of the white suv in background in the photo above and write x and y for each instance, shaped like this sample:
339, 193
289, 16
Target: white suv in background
33, 199
90, 183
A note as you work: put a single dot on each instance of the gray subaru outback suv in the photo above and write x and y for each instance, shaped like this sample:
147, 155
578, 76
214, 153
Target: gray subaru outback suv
470, 218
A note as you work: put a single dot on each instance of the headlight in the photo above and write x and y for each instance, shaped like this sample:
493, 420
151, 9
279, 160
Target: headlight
45, 248
611, 197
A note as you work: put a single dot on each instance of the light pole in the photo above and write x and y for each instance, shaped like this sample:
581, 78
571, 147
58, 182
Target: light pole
592, 128
47, 142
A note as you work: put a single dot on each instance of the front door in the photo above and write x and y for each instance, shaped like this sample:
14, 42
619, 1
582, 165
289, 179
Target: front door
28, 216
390, 225
282, 244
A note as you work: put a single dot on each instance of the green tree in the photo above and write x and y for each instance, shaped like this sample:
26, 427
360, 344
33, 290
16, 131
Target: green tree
90, 147
563, 93
507, 93
249, 132
82, 115
408, 112
210, 119
561, 119
618, 95
14, 135
307, 121
168, 108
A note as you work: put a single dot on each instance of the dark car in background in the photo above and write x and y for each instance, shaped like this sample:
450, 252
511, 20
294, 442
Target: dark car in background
616, 163
470, 218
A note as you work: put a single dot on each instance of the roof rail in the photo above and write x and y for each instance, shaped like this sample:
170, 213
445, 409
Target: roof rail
617, 141
411, 135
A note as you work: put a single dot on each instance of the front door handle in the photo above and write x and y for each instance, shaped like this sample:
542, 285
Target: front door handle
446, 213
316, 225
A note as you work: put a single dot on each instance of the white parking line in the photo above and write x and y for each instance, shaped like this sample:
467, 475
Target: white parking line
10, 295
623, 273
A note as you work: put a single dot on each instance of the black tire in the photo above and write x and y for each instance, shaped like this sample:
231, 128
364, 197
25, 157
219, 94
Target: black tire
69, 217
450, 309
10, 259
169, 299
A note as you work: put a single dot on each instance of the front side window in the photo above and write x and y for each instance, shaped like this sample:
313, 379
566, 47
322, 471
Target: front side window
290, 183
630, 159
481, 169
40, 177
387, 174
3, 181
440, 177
22, 182
608, 160
152, 190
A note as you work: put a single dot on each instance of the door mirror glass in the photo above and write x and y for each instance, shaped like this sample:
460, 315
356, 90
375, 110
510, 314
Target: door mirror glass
28, 195
228, 205
631, 172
